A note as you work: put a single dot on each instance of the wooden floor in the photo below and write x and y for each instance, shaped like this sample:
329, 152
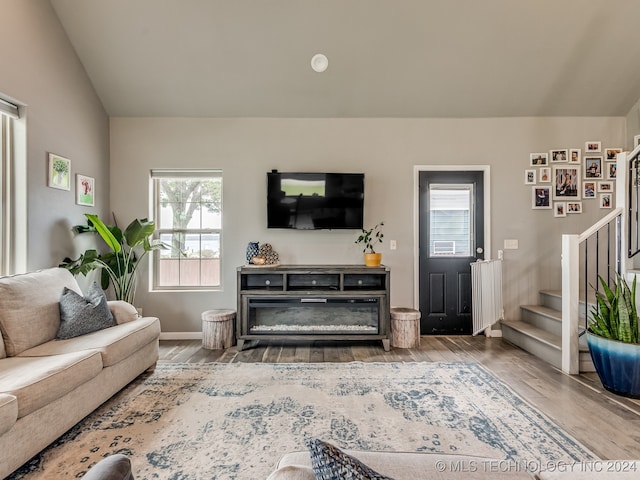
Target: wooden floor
607, 424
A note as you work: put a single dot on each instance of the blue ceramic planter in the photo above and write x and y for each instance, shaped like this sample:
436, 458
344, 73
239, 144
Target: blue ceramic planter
617, 364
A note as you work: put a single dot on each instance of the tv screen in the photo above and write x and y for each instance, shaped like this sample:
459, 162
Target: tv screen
311, 201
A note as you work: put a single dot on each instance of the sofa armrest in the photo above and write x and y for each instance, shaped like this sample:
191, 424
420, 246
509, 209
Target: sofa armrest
123, 312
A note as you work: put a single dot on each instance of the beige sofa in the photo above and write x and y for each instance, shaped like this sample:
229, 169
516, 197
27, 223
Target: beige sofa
48, 385
412, 466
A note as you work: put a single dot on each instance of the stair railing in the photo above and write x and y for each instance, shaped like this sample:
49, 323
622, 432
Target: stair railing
598, 252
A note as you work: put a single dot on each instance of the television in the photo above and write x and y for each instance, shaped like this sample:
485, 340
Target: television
314, 201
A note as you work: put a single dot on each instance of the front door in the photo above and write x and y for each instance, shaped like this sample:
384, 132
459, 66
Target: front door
451, 230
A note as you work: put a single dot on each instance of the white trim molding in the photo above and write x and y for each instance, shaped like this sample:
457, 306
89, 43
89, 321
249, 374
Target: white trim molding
181, 336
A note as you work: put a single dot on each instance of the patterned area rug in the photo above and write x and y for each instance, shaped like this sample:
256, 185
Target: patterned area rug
234, 421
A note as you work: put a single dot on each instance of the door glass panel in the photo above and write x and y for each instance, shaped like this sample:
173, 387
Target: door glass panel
450, 214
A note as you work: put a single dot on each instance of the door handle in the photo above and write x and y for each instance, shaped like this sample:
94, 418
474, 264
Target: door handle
479, 250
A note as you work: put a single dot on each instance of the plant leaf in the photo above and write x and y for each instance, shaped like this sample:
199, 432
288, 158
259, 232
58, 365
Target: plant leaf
104, 232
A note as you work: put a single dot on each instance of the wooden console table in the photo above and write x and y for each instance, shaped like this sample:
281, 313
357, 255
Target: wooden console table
313, 302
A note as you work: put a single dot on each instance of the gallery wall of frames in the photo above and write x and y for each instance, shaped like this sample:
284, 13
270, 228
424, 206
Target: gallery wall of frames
562, 179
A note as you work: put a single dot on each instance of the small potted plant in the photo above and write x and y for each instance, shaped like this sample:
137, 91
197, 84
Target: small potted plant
369, 238
614, 338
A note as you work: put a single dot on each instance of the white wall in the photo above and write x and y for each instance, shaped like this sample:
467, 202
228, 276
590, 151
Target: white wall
39, 69
386, 150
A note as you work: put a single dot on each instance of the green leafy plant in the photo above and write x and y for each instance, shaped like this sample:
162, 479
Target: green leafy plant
616, 316
120, 263
369, 238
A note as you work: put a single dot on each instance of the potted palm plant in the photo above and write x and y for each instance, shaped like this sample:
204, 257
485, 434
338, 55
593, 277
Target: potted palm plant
614, 339
368, 239
126, 250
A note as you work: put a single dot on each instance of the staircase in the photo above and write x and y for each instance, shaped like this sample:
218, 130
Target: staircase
539, 331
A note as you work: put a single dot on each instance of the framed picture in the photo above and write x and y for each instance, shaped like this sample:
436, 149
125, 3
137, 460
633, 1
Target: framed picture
636, 140
605, 186
606, 200
541, 197
538, 159
574, 207
85, 190
529, 177
566, 183
612, 168
575, 155
593, 167
560, 209
592, 147
59, 172
611, 154
588, 189
559, 156
545, 175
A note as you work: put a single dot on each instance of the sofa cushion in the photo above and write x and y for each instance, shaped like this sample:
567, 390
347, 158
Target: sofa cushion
114, 467
114, 344
330, 463
8, 412
38, 381
3, 352
411, 465
292, 472
81, 315
29, 307
122, 311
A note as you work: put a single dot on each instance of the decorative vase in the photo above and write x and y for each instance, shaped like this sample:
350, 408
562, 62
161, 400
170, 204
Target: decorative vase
617, 364
252, 250
372, 259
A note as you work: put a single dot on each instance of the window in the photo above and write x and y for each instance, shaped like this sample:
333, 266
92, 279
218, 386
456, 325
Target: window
187, 208
11, 179
451, 231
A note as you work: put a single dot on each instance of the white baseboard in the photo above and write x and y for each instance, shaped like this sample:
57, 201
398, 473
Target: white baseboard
180, 335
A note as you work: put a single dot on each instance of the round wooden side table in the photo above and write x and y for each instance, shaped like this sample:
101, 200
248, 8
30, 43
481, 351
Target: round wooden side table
405, 327
217, 329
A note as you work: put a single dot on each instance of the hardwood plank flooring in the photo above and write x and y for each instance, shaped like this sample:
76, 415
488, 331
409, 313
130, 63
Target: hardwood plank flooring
607, 424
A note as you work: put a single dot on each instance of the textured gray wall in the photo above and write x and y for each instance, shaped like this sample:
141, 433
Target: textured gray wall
63, 115
386, 150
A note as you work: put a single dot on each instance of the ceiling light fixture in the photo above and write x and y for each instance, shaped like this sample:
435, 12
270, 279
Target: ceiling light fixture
319, 62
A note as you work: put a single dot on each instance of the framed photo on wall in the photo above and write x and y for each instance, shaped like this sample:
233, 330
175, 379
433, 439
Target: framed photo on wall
606, 200
560, 209
575, 155
612, 168
593, 167
85, 190
605, 187
544, 175
592, 147
529, 177
559, 156
59, 172
574, 207
588, 189
611, 154
541, 197
566, 181
538, 159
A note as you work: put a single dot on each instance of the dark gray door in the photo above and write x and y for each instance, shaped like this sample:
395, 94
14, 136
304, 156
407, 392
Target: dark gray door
451, 236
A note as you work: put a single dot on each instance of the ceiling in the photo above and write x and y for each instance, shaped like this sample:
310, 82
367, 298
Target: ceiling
387, 58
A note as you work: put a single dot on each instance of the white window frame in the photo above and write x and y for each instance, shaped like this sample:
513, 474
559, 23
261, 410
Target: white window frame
154, 177
13, 190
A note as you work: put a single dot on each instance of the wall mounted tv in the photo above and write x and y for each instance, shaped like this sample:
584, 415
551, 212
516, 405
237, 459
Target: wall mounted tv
313, 201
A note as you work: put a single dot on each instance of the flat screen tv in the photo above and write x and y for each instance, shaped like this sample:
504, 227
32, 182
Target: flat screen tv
312, 201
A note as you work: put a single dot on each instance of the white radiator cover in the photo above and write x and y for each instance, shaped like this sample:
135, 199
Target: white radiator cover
486, 294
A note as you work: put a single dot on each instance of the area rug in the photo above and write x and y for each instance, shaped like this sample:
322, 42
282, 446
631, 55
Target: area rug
233, 421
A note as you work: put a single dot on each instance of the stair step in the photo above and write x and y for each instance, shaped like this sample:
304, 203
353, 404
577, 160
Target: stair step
534, 340
544, 318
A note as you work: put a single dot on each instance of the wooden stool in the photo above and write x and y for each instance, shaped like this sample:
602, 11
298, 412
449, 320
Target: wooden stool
217, 329
405, 328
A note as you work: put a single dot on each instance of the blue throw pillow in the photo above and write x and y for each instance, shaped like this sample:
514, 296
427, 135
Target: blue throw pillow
81, 315
331, 463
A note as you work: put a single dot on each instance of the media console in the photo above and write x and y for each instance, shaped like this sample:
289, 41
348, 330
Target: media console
313, 302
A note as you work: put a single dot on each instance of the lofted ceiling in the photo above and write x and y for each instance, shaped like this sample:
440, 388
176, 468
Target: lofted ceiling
387, 58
